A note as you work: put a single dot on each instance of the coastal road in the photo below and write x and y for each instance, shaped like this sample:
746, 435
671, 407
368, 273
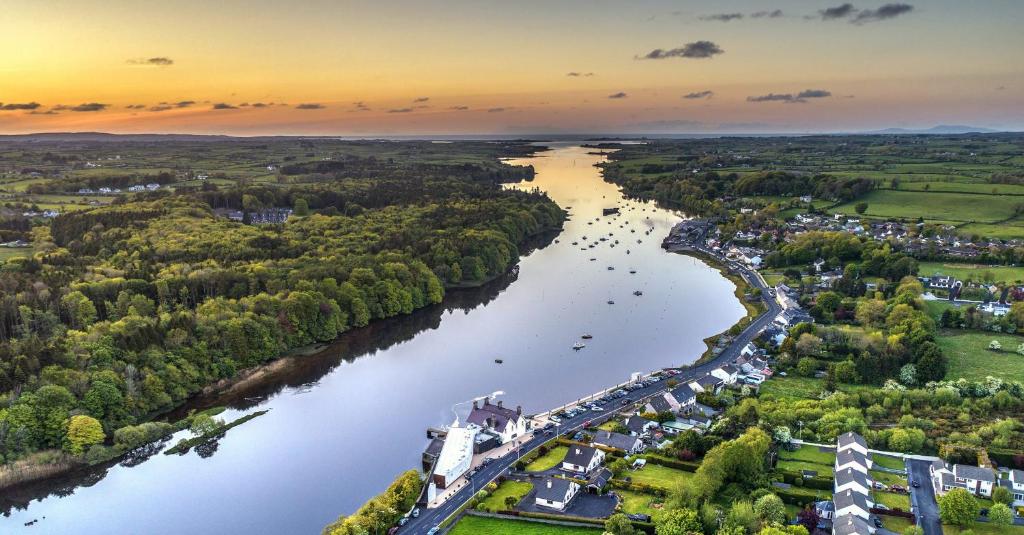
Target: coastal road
923, 497
430, 518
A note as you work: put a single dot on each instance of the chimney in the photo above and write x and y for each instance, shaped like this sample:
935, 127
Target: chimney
487, 401
499, 403
549, 483
519, 410
474, 405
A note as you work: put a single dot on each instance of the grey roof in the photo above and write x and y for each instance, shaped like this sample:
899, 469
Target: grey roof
949, 480
615, 440
1017, 476
729, 368
847, 439
636, 424
580, 455
600, 478
660, 404
850, 525
850, 475
553, 489
825, 505
705, 410
846, 456
683, 393
708, 380
491, 415
848, 497
973, 472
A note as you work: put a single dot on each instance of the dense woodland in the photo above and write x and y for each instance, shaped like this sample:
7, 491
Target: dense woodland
127, 309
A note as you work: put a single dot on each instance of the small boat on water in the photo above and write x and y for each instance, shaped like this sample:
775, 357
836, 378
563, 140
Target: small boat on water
592, 259
610, 302
611, 268
586, 336
578, 346
632, 272
638, 293
498, 361
627, 251
575, 243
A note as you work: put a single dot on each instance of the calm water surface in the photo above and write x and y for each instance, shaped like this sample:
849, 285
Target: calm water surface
344, 422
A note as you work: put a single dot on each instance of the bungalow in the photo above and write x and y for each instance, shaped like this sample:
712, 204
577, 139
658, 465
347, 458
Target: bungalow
556, 493
977, 480
684, 396
662, 403
728, 373
618, 441
850, 458
638, 425
708, 383
851, 525
1015, 483
852, 441
582, 459
698, 420
941, 281
508, 424
852, 503
854, 480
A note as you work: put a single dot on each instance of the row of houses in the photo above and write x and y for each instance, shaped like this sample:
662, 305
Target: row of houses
850, 510
978, 480
152, 186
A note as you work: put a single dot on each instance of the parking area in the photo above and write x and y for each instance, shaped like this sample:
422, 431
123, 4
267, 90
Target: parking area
584, 505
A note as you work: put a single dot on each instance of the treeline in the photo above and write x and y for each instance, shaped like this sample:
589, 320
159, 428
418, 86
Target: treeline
131, 308
383, 510
778, 183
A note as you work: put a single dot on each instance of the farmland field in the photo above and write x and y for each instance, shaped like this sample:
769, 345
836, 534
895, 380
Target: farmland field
975, 272
935, 207
475, 525
970, 358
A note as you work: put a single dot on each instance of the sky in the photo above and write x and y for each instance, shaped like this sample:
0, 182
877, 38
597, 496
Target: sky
498, 67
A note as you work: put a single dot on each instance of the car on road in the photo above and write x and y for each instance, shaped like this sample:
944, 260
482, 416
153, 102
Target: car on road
587, 423
627, 401
433, 530
403, 521
878, 522
555, 419
916, 485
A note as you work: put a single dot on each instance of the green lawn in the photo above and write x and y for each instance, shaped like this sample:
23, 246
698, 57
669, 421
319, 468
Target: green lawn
475, 525
658, 476
892, 500
934, 207
823, 470
970, 358
895, 523
14, 252
888, 478
887, 461
794, 387
984, 528
976, 272
638, 502
809, 454
496, 501
550, 459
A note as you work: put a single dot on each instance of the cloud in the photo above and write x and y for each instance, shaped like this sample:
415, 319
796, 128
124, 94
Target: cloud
790, 98
360, 106
421, 99
89, 106
159, 61
184, 103
699, 94
309, 106
620, 94
459, 108
400, 110
885, 12
19, 106
837, 12
722, 17
135, 106
224, 106
261, 104
40, 112
575, 74
695, 50
773, 14
495, 110
161, 108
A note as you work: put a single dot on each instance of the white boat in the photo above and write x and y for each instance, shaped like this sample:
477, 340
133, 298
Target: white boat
578, 346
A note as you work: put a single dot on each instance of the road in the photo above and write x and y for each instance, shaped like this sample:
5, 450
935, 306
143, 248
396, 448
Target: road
432, 517
922, 498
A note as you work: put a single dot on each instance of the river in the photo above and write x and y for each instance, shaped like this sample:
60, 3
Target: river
345, 421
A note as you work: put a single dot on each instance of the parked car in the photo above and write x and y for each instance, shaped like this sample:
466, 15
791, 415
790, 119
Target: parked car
916, 485
403, 521
433, 530
627, 401
983, 512
878, 522
555, 419
587, 423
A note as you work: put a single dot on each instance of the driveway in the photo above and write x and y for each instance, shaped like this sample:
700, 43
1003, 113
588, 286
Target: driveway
922, 498
583, 505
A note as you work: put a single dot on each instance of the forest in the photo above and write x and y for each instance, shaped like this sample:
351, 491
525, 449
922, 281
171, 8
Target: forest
124, 309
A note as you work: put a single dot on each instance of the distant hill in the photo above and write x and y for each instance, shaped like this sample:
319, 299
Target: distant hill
103, 136
939, 129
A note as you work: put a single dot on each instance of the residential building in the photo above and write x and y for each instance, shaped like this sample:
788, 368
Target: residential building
850, 458
852, 503
582, 459
826, 509
684, 396
854, 480
1015, 483
508, 424
851, 525
618, 441
556, 493
661, 403
638, 425
728, 373
852, 441
977, 480
707, 383
456, 456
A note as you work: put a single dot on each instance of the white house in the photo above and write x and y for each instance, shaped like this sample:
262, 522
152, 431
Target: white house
852, 503
684, 396
1015, 482
556, 493
854, 480
975, 479
456, 456
852, 441
708, 383
582, 459
639, 425
627, 443
506, 423
850, 458
851, 525
662, 403
748, 349
728, 373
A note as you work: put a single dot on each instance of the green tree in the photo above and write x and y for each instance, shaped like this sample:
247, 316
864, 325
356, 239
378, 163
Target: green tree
1002, 495
1000, 515
300, 207
81, 311
83, 431
618, 524
861, 207
678, 522
742, 514
958, 507
770, 509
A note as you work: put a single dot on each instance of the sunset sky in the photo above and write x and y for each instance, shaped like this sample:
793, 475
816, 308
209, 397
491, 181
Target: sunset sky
478, 67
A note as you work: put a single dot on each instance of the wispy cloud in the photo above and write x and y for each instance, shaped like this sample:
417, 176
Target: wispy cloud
694, 50
722, 17
620, 94
159, 108
41, 112
184, 103
421, 99
575, 74
459, 108
885, 12
699, 94
159, 61
309, 106
495, 110
790, 98
772, 14
400, 110
19, 106
224, 106
838, 12
135, 106
89, 106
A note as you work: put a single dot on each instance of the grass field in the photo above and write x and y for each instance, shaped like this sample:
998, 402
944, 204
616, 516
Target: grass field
895, 523
970, 358
809, 454
496, 501
893, 500
984, 528
550, 459
935, 207
975, 272
892, 463
888, 478
14, 252
638, 502
823, 470
475, 525
659, 476
800, 387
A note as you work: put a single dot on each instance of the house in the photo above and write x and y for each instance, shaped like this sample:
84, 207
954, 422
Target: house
638, 425
850, 458
660, 404
618, 441
748, 350
456, 456
708, 383
556, 493
852, 441
698, 420
977, 480
508, 424
728, 373
674, 427
599, 480
582, 459
825, 509
854, 480
941, 281
851, 525
852, 503
684, 396
1015, 483
136, 188
805, 198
